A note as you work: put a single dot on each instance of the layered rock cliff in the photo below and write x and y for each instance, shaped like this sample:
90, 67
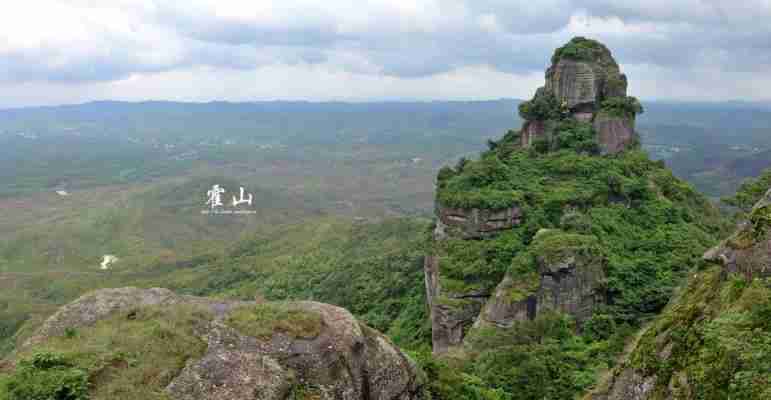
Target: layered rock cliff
152, 343
585, 83
569, 278
557, 218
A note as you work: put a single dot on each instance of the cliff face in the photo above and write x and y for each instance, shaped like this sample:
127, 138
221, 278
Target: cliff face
569, 279
146, 343
559, 237
713, 341
583, 106
585, 83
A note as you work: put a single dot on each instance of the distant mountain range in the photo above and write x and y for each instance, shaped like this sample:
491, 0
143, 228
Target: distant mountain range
712, 144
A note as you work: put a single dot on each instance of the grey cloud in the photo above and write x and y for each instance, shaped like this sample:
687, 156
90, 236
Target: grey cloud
682, 34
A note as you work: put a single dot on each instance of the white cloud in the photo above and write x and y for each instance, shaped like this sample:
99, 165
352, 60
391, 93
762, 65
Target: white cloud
73, 50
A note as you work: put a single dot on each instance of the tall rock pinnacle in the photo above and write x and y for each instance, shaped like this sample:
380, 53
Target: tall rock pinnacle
583, 82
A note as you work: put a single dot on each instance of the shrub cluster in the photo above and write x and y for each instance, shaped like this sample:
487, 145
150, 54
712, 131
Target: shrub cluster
543, 106
650, 226
579, 48
46, 376
626, 107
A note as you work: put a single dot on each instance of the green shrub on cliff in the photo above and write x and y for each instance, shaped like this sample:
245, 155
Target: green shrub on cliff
750, 191
580, 49
544, 106
653, 225
625, 107
575, 135
541, 359
714, 340
649, 225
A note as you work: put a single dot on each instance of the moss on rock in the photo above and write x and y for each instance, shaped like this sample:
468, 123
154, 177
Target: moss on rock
266, 319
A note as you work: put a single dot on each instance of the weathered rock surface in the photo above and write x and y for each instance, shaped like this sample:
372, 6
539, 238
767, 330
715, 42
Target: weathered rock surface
748, 250
95, 306
573, 285
451, 313
614, 134
574, 83
506, 306
569, 280
345, 361
532, 131
478, 222
580, 83
628, 384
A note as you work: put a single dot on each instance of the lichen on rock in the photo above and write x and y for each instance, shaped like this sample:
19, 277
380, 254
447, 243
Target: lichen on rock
227, 349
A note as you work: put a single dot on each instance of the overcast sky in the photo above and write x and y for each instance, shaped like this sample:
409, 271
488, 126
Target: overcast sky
69, 51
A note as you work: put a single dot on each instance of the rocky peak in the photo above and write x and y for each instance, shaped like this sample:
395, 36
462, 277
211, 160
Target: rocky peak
583, 73
584, 83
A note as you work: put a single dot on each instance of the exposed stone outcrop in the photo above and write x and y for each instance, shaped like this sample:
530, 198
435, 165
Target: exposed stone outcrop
574, 83
513, 300
478, 222
452, 313
346, 360
532, 131
748, 251
629, 384
614, 133
570, 279
583, 74
95, 306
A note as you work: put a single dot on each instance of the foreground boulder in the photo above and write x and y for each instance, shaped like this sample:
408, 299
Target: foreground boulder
217, 349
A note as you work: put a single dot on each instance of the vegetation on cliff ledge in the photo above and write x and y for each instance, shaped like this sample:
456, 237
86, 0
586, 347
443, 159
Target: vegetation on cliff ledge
714, 342
625, 107
651, 226
580, 49
750, 191
544, 106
